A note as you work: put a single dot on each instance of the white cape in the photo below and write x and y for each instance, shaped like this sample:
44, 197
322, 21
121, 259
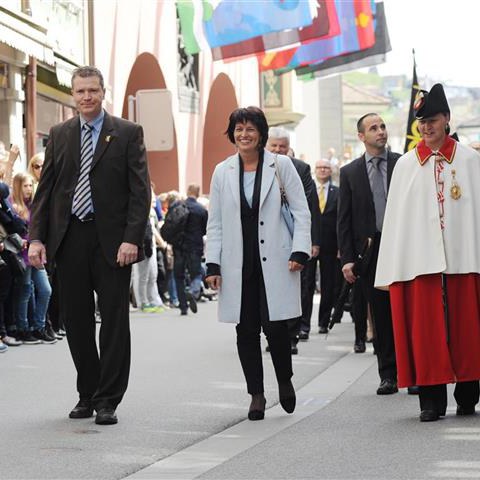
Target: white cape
413, 242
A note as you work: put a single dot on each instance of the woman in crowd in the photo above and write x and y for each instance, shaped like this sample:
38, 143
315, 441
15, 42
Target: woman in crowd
145, 272
35, 166
252, 258
22, 194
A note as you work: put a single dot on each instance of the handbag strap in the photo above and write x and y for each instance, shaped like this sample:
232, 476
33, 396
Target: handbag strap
283, 194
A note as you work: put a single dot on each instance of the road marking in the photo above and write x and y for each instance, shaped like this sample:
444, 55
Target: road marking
217, 449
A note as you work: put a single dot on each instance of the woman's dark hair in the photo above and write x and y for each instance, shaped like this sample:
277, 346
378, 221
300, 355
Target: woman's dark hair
249, 114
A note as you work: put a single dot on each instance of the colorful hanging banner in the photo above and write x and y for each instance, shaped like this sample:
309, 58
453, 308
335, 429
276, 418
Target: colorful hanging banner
226, 22
325, 25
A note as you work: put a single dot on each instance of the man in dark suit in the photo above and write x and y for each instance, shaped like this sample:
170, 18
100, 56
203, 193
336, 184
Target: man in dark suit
363, 193
279, 142
89, 218
330, 272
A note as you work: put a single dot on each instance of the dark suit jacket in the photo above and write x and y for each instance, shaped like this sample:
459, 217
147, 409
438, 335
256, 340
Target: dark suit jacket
328, 223
310, 188
356, 210
196, 226
119, 181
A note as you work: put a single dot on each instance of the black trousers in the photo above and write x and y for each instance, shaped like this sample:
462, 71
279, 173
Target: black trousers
330, 283
6, 281
254, 317
182, 261
307, 288
434, 397
379, 301
359, 312
82, 268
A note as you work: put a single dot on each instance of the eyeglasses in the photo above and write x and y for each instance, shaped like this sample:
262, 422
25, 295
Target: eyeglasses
37, 167
323, 168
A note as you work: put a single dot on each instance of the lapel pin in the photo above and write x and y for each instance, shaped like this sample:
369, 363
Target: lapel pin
108, 138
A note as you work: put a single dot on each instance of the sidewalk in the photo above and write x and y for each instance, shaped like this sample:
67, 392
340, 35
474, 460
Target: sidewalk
340, 430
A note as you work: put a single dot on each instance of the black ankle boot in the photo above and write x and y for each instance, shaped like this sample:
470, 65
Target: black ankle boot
257, 407
287, 396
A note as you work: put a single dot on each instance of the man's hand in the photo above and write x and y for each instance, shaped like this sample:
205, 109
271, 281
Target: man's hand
315, 251
348, 274
214, 281
37, 255
294, 266
127, 254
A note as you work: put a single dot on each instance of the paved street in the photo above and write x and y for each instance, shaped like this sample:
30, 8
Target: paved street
184, 415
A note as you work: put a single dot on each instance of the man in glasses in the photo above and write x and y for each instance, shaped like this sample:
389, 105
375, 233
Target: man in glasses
330, 272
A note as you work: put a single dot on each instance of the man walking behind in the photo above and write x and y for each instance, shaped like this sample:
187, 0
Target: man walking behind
363, 196
187, 256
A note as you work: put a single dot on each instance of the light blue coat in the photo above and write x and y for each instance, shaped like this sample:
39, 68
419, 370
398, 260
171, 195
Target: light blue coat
225, 242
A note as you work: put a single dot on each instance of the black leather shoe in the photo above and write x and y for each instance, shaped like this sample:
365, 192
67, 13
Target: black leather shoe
387, 387
464, 410
323, 330
294, 348
287, 396
106, 416
429, 416
192, 303
303, 336
257, 408
359, 346
83, 409
413, 390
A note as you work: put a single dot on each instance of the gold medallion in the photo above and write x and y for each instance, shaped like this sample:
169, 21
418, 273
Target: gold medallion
455, 190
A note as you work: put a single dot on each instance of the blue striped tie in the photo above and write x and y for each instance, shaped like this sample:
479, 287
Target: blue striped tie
82, 198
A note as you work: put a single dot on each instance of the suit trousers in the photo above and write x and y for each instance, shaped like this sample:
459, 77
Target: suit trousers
182, 261
307, 288
330, 282
254, 317
379, 301
82, 269
434, 397
359, 312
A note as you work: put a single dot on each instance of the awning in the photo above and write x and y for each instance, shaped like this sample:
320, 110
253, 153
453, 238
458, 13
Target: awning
27, 45
64, 72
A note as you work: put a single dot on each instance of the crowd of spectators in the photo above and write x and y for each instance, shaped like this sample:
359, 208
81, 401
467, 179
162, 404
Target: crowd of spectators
29, 313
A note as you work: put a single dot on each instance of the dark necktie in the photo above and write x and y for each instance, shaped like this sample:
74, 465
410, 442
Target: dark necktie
378, 190
82, 198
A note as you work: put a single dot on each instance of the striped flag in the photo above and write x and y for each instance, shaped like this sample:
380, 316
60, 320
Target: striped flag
361, 59
357, 33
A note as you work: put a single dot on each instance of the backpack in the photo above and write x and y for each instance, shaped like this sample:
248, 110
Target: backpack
173, 229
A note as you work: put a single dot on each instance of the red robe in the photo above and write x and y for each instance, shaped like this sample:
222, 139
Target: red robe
428, 352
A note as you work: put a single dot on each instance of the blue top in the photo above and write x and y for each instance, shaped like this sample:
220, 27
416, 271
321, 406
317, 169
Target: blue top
96, 125
248, 186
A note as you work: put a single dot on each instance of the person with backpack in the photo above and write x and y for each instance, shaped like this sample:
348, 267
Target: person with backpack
184, 228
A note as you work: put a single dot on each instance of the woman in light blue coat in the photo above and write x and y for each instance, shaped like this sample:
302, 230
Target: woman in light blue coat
251, 256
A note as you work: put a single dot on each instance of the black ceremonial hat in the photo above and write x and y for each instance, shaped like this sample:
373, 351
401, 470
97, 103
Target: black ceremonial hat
428, 104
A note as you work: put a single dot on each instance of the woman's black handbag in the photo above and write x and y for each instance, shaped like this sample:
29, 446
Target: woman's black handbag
13, 248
